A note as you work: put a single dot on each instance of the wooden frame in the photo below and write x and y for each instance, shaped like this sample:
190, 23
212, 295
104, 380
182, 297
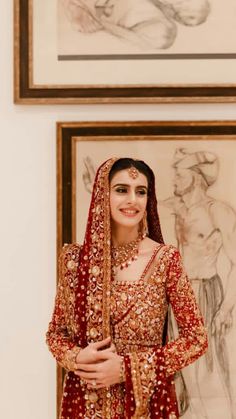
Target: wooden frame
153, 89
192, 133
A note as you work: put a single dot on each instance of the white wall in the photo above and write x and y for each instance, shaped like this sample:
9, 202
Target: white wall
28, 228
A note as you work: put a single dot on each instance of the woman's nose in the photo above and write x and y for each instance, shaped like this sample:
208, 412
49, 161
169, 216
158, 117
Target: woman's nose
131, 197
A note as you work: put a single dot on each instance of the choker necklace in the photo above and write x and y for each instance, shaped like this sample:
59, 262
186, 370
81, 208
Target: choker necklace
122, 256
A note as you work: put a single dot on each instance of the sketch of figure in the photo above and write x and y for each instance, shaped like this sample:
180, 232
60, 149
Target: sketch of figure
88, 174
148, 24
204, 228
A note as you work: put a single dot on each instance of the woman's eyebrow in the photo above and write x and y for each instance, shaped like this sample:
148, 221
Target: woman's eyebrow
127, 185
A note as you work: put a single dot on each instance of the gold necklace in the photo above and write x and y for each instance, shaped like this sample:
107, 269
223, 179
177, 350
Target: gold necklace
122, 256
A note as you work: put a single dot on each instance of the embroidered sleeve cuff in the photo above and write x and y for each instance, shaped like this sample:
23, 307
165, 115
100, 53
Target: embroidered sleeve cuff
69, 360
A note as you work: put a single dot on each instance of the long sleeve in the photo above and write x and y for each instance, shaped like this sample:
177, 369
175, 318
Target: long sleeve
59, 337
151, 370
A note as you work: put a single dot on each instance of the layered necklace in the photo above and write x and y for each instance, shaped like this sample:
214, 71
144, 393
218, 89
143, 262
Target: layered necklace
122, 256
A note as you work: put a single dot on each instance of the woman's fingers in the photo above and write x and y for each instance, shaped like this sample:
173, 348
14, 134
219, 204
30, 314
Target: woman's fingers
98, 386
102, 343
87, 367
104, 355
87, 375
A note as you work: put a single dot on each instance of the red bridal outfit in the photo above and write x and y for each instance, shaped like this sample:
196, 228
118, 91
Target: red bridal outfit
90, 306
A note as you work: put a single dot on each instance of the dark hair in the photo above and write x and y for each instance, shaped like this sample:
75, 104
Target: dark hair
154, 228
126, 163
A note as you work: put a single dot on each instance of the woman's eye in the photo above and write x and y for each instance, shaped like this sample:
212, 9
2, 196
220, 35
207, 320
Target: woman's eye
142, 192
121, 190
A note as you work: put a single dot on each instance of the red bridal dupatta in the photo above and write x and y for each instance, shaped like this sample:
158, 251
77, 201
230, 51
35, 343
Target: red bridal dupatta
82, 315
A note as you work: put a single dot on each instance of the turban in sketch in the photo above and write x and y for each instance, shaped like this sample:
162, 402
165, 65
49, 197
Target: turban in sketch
202, 162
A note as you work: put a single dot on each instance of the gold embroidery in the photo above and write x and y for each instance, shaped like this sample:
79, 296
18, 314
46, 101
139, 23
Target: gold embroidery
95, 271
98, 289
137, 386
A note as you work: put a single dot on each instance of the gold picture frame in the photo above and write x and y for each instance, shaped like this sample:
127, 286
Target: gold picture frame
156, 143
187, 73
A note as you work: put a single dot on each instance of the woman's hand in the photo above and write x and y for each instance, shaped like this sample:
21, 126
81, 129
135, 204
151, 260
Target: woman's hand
92, 353
102, 374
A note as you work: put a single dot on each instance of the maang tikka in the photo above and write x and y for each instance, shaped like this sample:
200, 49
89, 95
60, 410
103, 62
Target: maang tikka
133, 172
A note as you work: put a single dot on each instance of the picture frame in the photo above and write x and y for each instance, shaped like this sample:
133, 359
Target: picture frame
156, 142
192, 71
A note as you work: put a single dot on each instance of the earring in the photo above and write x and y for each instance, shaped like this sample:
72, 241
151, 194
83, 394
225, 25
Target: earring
143, 226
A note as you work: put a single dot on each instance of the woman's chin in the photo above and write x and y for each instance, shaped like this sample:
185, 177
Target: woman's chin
129, 223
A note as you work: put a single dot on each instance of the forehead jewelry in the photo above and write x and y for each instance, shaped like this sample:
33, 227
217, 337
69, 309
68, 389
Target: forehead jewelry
133, 172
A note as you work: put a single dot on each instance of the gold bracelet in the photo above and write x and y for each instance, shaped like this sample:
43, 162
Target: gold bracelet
122, 370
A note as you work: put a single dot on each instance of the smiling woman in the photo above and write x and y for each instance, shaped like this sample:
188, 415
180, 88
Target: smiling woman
108, 327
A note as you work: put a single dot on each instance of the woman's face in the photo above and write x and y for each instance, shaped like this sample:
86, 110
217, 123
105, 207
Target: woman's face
128, 198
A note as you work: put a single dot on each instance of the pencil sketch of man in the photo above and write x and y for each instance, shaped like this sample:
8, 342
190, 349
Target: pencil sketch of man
148, 24
205, 228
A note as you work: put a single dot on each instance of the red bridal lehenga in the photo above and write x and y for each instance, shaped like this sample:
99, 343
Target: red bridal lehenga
90, 306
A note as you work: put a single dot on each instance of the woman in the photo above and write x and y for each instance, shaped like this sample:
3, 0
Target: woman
108, 326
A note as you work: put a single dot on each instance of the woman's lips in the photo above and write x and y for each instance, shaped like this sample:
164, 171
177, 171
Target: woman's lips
129, 212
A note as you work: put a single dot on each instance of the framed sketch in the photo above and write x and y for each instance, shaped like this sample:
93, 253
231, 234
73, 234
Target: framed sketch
99, 51
194, 166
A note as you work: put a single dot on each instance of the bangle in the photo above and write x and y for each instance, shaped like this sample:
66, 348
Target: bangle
122, 370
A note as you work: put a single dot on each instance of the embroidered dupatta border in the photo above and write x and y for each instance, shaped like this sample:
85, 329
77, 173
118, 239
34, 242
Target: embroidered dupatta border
94, 273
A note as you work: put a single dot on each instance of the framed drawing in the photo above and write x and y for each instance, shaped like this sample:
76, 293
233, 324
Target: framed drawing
194, 164
99, 51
